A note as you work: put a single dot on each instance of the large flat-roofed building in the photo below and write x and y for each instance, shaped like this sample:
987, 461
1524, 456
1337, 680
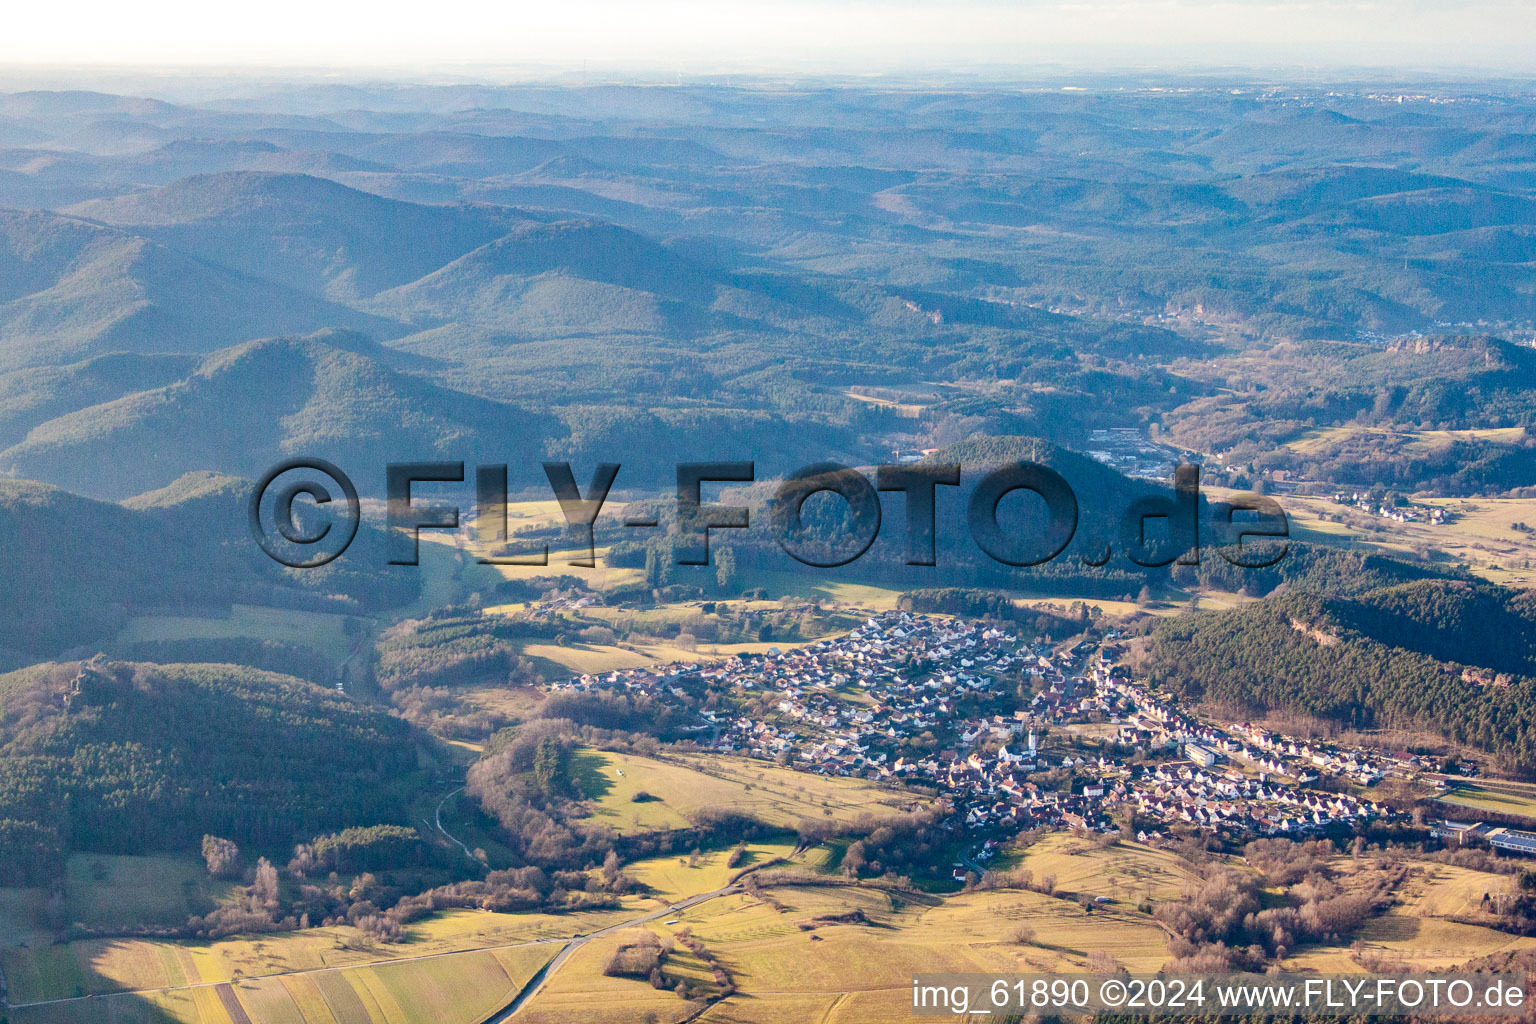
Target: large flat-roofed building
1512, 840
1200, 755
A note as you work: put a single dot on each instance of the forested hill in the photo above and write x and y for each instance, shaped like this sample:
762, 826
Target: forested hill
78, 568
75, 567
1448, 657
333, 395
130, 758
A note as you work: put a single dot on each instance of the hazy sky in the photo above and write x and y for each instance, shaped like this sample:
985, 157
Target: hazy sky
838, 35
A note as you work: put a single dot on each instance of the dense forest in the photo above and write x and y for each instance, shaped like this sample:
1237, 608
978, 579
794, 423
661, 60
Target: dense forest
1415, 656
184, 548
114, 757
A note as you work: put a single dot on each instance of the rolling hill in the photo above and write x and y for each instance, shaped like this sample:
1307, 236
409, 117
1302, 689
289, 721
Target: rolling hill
184, 158
70, 290
77, 569
33, 396
209, 510
125, 757
247, 407
307, 233
582, 275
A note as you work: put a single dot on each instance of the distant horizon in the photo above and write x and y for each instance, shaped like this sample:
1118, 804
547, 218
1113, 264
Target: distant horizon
243, 84
805, 38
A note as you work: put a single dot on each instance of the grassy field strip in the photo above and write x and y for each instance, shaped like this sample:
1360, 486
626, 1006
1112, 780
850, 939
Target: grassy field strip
1506, 796
1428, 928
672, 878
1126, 872
267, 1001
1491, 798
683, 785
309, 973
342, 999
311, 1003
381, 1005
321, 631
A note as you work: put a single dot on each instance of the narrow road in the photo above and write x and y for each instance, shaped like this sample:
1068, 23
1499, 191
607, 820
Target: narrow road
359, 644
438, 816
536, 982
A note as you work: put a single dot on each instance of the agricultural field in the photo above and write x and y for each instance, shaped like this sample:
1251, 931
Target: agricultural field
1501, 797
1064, 933
1109, 608
1127, 872
1415, 442
320, 631
579, 991
552, 661
674, 877
686, 784
514, 701
98, 966
847, 954
1433, 925
820, 585
808, 949
811, 950
1481, 535
107, 892
457, 988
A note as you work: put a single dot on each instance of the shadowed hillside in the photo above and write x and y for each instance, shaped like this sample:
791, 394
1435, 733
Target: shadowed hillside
245, 408
70, 290
308, 233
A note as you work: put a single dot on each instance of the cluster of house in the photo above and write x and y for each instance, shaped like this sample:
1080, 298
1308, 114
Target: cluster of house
1158, 723
845, 706
842, 703
1240, 805
1398, 514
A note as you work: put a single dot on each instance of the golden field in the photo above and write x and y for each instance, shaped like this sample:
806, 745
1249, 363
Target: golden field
810, 950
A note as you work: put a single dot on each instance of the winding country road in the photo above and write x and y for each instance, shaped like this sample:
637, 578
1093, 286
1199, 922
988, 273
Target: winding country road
536, 982
438, 816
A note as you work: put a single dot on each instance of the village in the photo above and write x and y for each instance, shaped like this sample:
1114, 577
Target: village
1017, 734
1404, 513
